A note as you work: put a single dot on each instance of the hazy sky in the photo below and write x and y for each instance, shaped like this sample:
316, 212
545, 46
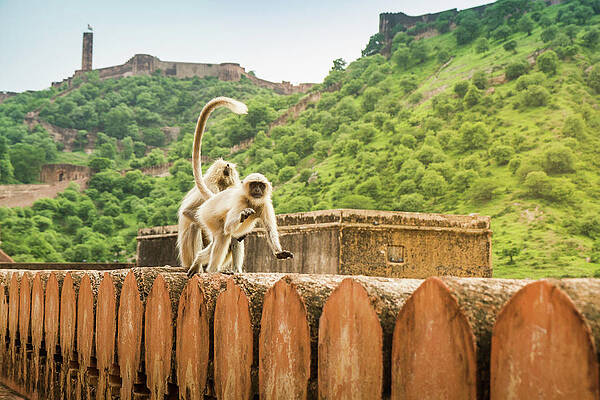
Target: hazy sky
40, 41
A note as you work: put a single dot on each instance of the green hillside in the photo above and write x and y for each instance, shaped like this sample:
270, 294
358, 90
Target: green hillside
497, 116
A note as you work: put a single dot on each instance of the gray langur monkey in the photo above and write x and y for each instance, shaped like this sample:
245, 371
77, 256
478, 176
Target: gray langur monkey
219, 176
233, 212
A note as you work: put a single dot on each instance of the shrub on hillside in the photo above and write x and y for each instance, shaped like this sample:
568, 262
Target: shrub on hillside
590, 38
547, 62
528, 165
574, 126
558, 159
412, 202
594, 78
536, 96
549, 34
443, 56
502, 153
480, 80
516, 69
460, 88
433, 184
285, 174
473, 96
511, 45
538, 184
473, 136
406, 186
482, 45
357, 201
483, 189
463, 180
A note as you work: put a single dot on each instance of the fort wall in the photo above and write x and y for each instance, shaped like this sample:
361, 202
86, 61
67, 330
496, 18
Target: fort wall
145, 64
54, 173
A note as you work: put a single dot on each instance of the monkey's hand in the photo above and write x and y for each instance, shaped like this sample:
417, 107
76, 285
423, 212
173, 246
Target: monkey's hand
246, 212
241, 238
282, 255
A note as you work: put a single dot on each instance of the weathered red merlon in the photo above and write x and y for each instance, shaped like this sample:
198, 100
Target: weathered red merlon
350, 345
233, 338
543, 347
192, 343
129, 339
433, 352
284, 346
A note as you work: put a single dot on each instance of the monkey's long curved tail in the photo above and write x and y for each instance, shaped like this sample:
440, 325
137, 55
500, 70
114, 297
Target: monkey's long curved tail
237, 107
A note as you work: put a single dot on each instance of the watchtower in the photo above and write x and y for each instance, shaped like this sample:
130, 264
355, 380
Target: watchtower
86, 54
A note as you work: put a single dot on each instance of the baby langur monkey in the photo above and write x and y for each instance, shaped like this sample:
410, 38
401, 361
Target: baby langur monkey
233, 212
219, 176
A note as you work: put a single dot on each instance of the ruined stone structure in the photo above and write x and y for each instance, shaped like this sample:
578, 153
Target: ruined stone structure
379, 243
54, 173
87, 51
152, 333
389, 21
5, 95
145, 64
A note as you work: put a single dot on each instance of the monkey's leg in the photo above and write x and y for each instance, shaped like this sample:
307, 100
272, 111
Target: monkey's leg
220, 246
187, 242
237, 255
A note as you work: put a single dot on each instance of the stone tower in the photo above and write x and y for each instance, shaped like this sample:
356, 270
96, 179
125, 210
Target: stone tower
86, 54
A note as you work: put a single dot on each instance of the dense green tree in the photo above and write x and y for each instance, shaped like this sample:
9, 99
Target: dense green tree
27, 161
526, 24
473, 96
516, 69
548, 62
374, 46
117, 121
501, 33
558, 159
482, 45
468, 27
473, 135
549, 34
511, 45
480, 80
460, 88
590, 38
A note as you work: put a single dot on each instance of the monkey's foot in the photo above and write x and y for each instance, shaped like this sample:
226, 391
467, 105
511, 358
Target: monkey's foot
192, 271
227, 272
282, 255
246, 212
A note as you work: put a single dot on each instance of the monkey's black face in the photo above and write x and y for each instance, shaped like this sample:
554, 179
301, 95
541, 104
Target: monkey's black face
257, 189
226, 170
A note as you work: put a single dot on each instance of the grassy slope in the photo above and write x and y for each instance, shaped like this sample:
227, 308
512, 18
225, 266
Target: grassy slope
548, 248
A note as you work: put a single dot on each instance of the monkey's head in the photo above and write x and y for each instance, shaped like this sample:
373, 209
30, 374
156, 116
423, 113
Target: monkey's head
257, 187
223, 174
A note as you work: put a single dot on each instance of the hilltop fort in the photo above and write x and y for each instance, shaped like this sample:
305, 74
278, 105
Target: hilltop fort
145, 64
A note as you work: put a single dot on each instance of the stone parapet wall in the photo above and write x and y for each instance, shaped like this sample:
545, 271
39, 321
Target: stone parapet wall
152, 333
378, 243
